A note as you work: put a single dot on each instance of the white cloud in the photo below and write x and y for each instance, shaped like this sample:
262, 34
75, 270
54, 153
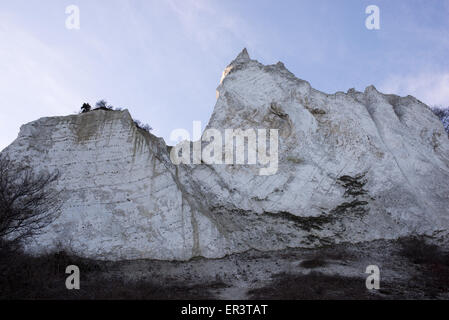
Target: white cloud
431, 88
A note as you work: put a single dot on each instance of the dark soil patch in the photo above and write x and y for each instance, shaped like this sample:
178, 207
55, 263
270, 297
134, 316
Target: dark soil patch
313, 286
433, 264
313, 263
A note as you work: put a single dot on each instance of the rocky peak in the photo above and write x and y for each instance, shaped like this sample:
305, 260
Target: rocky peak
242, 57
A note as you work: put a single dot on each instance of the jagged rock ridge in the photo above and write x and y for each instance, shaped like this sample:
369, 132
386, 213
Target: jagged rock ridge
353, 167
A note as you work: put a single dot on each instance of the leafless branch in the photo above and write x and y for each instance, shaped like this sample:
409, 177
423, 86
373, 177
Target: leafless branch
28, 202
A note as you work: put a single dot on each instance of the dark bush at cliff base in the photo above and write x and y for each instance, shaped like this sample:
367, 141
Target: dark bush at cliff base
433, 263
419, 251
25, 277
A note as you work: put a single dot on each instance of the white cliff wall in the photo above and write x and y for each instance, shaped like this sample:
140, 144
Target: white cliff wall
353, 166
121, 198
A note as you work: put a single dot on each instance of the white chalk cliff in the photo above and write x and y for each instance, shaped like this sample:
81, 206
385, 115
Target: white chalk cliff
353, 167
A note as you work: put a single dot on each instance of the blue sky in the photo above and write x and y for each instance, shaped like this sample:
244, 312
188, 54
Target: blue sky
163, 59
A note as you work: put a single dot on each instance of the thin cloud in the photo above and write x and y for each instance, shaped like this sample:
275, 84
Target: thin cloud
431, 88
32, 80
212, 26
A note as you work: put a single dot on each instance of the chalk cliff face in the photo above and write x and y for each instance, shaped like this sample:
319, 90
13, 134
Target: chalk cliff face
353, 167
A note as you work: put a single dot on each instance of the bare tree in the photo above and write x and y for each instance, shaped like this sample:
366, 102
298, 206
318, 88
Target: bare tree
27, 202
140, 125
103, 105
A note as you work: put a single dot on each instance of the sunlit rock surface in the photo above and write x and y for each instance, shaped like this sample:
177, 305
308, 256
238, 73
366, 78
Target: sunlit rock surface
353, 167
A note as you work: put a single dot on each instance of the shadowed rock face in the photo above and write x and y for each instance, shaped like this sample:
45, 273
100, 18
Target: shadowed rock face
353, 167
